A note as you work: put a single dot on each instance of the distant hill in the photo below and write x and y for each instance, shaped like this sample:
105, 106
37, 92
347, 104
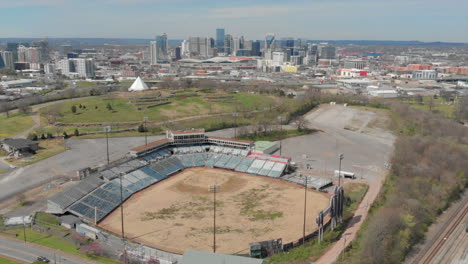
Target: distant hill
129, 41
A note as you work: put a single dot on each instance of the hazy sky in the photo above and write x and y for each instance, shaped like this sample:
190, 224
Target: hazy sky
424, 20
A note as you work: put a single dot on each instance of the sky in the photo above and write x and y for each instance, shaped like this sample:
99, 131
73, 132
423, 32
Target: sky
423, 20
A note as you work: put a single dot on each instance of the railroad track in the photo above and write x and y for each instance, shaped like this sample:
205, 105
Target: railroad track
455, 219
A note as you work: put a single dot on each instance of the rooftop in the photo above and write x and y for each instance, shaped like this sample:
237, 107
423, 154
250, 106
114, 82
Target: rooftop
231, 139
196, 257
151, 144
190, 131
19, 143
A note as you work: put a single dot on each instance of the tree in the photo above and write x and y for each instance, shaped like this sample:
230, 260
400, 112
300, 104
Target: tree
76, 132
430, 104
65, 135
52, 113
302, 123
141, 128
43, 136
461, 109
109, 107
24, 108
32, 136
50, 136
73, 109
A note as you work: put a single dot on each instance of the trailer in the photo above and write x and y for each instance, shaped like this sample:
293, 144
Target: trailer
345, 174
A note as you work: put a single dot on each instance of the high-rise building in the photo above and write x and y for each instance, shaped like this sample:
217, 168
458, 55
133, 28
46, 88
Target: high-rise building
228, 44
6, 60
29, 54
77, 67
178, 53
256, 48
185, 48
65, 49
153, 52
269, 41
162, 48
220, 39
200, 47
327, 52
43, 46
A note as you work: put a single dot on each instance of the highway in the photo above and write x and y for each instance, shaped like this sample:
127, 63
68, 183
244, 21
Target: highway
29, 252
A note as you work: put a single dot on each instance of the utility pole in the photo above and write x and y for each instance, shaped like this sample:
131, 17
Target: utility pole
24, 231
146, 130
235, 114
341, 157
214, 189
107, 129
122, 218
305, 209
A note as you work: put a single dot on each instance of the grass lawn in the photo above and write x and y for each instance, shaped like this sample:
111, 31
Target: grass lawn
15, 124
83, 84
125, 111
3, 171
276, 135
7, 261
311, 250
47, 240
48, 148
439, 104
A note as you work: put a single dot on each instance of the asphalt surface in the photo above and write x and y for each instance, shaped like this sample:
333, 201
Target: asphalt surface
82, 153
29, 253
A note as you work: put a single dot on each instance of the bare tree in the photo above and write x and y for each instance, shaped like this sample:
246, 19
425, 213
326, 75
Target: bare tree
52, 113
302, 123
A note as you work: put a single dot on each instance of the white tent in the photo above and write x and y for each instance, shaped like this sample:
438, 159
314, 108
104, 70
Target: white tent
138, 85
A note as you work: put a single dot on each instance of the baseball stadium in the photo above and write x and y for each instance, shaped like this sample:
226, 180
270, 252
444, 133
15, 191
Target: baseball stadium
180, 192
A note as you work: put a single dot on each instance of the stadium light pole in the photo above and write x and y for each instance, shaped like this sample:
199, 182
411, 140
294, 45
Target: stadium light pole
214, 189
341, 157
305, 209
122, 217
235, 114
146, 130
107, 129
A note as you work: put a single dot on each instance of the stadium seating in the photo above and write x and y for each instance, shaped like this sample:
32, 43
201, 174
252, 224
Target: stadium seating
266, 168
277, 170
256, 166
244, 165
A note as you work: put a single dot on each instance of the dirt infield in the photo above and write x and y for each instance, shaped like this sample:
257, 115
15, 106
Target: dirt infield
177, 214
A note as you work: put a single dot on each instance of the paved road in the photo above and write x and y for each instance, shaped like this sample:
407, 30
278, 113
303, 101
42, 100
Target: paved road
29, 252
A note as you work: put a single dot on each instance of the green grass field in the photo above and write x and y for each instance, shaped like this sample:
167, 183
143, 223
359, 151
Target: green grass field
83, 84
7, 261
439, 104
47, 240
15, 124
124, 111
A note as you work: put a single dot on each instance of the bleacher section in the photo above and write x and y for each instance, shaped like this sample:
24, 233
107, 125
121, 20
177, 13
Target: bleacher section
92, 198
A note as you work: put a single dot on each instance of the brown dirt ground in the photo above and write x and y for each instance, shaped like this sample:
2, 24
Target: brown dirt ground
176, 214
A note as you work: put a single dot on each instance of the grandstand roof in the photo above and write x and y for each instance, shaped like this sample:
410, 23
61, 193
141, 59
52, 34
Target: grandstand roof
232, 139
180, 132
152, 144
195, 257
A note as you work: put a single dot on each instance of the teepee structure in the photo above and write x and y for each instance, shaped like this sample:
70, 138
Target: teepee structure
138, 85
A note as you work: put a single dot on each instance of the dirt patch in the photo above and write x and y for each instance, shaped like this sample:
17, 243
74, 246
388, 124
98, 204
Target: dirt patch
177, 213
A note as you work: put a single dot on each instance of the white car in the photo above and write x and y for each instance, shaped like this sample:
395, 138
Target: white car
12, 166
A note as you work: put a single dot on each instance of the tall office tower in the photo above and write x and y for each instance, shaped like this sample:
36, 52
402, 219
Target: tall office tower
228, 44
235, 45
256, 48
185, 49
84, 67
327, 52
200, 47
178, 53
269, 41
13, 48
43, 46
29, 54
269, 46
312, 54
153, 52
242, 42
278, 58
220, 39
162, 46
248, 44
6, 60
65, 49
212, 42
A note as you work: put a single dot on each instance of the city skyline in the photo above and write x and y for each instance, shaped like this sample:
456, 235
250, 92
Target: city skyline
332, 20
